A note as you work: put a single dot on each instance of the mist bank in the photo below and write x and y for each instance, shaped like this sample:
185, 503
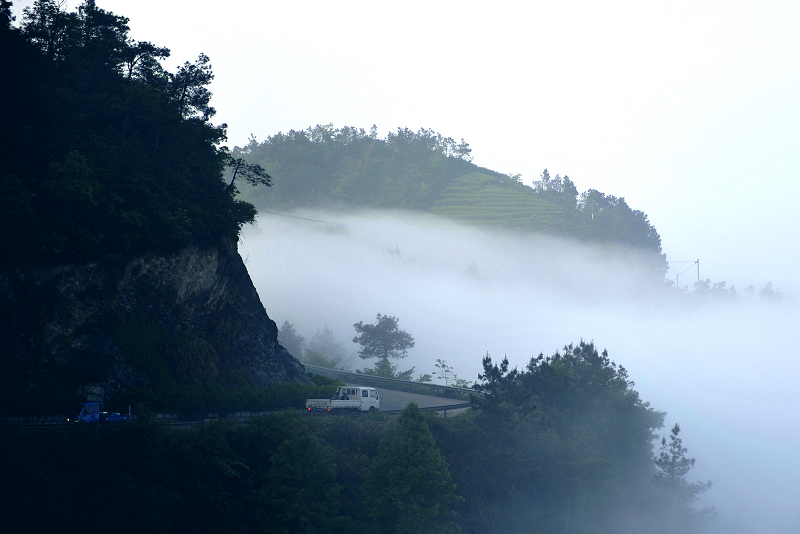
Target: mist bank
719, 368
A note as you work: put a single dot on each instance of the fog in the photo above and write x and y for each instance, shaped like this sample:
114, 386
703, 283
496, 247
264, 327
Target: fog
724, 370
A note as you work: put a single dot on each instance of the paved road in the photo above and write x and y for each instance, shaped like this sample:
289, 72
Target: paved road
397, 400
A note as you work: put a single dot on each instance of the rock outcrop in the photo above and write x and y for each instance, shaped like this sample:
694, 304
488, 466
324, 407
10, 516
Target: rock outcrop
107, 326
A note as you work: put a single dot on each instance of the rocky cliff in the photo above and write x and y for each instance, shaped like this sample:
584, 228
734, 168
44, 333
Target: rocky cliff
103, 327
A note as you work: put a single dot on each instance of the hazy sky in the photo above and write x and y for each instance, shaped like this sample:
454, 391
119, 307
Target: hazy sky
687, 109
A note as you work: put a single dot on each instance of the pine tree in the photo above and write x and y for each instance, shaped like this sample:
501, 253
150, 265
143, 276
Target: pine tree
408, 489
384, 340
677, 494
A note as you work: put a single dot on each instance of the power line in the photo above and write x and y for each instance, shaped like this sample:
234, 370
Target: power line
693, 263
302, 218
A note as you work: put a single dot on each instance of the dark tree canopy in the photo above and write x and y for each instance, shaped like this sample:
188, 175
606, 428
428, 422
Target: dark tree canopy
350, 166
108, 154
587, 439
384, 340
252, 173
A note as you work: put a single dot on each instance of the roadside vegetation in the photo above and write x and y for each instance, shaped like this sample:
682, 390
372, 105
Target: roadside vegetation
564, 445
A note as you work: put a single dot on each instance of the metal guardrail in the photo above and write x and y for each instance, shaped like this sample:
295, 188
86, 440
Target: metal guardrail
444, 408
436, 390
40, 420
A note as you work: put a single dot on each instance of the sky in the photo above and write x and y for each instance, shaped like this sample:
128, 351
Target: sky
687, 109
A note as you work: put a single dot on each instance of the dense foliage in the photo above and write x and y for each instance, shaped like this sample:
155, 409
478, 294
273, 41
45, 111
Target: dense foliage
105, 153
570, 442
564, 446
383, 340
327, 166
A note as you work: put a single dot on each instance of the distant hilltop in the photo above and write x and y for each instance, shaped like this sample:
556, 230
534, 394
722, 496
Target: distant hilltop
346, 168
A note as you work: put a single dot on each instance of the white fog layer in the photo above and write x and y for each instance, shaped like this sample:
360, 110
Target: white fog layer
725, 370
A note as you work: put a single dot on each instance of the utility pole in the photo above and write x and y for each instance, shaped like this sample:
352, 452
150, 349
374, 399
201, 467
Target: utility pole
678, 275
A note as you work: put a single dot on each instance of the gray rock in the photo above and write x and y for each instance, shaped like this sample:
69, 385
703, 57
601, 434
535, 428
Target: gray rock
194, 315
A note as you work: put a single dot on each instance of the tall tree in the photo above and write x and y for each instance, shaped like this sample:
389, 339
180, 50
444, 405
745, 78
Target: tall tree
50, 29
104, 35
582, 443
445, 372
677, 494
408, 489
383, 340
188, 89
325, 350
300, 494
291, 340
253, 173
6, 17
140, 61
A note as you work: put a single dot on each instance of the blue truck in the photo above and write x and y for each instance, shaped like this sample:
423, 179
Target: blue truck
92, 412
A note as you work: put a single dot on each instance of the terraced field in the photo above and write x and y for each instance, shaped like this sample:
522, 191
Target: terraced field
485, 200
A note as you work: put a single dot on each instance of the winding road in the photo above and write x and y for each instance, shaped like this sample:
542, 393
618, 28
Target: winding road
397, 400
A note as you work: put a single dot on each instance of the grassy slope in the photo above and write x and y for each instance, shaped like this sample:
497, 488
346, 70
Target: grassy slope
481, 199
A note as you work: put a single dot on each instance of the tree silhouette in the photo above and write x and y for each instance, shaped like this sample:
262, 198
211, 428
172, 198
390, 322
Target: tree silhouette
383, 340
677, 494
291, 340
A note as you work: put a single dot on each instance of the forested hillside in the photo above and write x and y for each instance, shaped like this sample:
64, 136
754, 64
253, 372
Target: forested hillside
119, 269
105, 153
564, 446
349, 168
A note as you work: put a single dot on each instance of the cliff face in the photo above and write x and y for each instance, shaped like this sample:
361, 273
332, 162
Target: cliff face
105, 327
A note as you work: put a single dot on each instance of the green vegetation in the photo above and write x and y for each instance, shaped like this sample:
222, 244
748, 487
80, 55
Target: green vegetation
564, 446
193, 401
408, 486
324, 350
291, 340
676, 493
326, 166
384, 340
446, 373
106, 154
486, 200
